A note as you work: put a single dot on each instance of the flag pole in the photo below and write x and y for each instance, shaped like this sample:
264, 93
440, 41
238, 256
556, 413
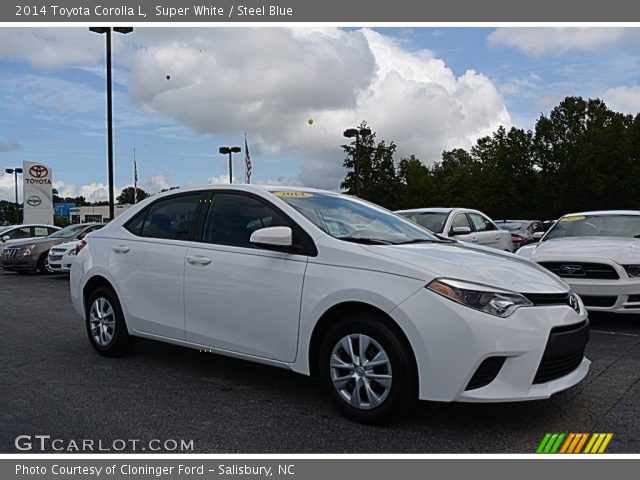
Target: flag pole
135, 178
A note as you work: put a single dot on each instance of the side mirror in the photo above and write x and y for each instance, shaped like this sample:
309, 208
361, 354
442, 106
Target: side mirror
272, 237
538, 235
461, 230
6, 238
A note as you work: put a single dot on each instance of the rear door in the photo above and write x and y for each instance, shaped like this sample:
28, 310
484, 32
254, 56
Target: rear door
238, 297
147, 264
488, 234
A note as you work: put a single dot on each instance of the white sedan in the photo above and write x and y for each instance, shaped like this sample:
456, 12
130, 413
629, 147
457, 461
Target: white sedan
598, 254
462, 224
61, 257
383, 311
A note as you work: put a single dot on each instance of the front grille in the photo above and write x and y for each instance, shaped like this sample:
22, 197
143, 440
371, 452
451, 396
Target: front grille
55, 258
486, 372
58, 250
9, 253
598, 301
548, 298
564, 352
582, 270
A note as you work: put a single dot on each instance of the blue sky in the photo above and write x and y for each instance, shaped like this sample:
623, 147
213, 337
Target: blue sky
428, 89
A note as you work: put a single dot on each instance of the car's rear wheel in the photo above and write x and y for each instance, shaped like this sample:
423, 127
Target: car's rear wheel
367, 370
106, 326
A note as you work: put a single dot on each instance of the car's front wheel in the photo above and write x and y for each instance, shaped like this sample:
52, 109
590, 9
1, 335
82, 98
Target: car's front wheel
106, 325
367, 369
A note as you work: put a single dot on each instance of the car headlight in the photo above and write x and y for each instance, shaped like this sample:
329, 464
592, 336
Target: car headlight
632, 270
72, 252
27, 251
485, 298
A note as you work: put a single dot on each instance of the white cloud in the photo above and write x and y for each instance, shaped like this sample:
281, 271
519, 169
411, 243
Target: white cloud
623, 99
52, 47
268, 82
155, 183
7, 187
92, 192
10, 145
555, 41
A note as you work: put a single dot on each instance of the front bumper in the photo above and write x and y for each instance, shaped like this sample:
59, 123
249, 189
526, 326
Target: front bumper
452, 341
615, 296
60, 263
19, 262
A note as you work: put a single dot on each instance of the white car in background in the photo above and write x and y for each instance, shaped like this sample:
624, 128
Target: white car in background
61, 257
598, 254
462, 224
382, 310
13, 234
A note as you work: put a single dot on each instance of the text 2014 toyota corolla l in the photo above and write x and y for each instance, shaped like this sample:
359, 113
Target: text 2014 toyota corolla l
382, 310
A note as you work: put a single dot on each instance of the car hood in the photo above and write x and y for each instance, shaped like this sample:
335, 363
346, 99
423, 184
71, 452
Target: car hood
41, 241
618, 249
475, 264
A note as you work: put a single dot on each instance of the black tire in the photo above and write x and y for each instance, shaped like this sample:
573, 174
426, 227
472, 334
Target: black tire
120, 342
42, 263
403, 391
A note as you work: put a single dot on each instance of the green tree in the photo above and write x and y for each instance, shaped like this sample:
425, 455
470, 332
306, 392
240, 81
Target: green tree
376, 179
126, 196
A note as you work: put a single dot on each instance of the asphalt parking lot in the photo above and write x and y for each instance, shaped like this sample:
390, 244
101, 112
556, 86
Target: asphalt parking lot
53, 383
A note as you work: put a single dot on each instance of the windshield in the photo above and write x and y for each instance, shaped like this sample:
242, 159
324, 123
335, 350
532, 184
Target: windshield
596, 226
4, 229
68, 232
354, 220
511, 226
433, 221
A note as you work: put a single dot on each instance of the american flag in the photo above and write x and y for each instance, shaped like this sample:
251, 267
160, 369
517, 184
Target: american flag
247, 161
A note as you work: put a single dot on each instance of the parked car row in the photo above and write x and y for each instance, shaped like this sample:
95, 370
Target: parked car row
14, 234
33, 254
385, 308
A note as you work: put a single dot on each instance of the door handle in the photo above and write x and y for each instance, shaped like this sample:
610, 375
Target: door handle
198, 260
474, 239
120, 248
497, 237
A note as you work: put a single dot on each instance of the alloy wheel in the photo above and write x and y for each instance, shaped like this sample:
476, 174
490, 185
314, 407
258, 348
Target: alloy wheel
102, 321
360, 371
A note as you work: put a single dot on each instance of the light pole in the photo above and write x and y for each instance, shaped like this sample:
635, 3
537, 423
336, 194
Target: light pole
15, 172
356, 132
107, 32
230, 151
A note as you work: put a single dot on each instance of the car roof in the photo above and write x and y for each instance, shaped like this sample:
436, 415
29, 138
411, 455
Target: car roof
426, 210
243, 187
604, 212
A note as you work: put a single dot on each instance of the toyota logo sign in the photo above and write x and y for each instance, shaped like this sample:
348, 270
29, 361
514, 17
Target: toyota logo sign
34, 200
39, 171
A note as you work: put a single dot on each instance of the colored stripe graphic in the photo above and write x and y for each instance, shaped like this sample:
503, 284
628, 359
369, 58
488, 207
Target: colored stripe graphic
556, 442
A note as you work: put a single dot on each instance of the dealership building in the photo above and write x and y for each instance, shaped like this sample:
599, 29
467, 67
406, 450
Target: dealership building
95, 213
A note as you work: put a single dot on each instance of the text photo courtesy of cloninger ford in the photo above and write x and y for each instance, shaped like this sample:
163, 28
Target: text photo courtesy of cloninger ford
320, 240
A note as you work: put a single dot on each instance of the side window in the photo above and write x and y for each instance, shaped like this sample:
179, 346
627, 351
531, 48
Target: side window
460, 220
481, 224
233, 218
171, 218
40, 231
24, 232
51, 230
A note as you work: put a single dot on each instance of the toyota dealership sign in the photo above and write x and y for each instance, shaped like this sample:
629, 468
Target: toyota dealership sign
38, 193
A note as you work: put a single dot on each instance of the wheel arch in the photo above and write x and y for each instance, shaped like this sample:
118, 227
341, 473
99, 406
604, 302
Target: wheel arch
92, 285
338, 312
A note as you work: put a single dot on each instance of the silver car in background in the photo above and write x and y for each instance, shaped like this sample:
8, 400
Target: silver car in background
463, 224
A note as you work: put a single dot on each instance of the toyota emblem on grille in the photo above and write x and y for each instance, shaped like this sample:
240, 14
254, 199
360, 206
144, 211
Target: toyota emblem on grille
38, 171
34, 200
573, 270
573, 302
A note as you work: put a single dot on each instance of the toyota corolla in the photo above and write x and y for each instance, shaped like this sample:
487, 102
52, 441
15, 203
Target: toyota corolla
383, 311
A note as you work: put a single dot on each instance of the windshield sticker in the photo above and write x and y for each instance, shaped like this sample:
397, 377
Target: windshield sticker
293, 194
575, 218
